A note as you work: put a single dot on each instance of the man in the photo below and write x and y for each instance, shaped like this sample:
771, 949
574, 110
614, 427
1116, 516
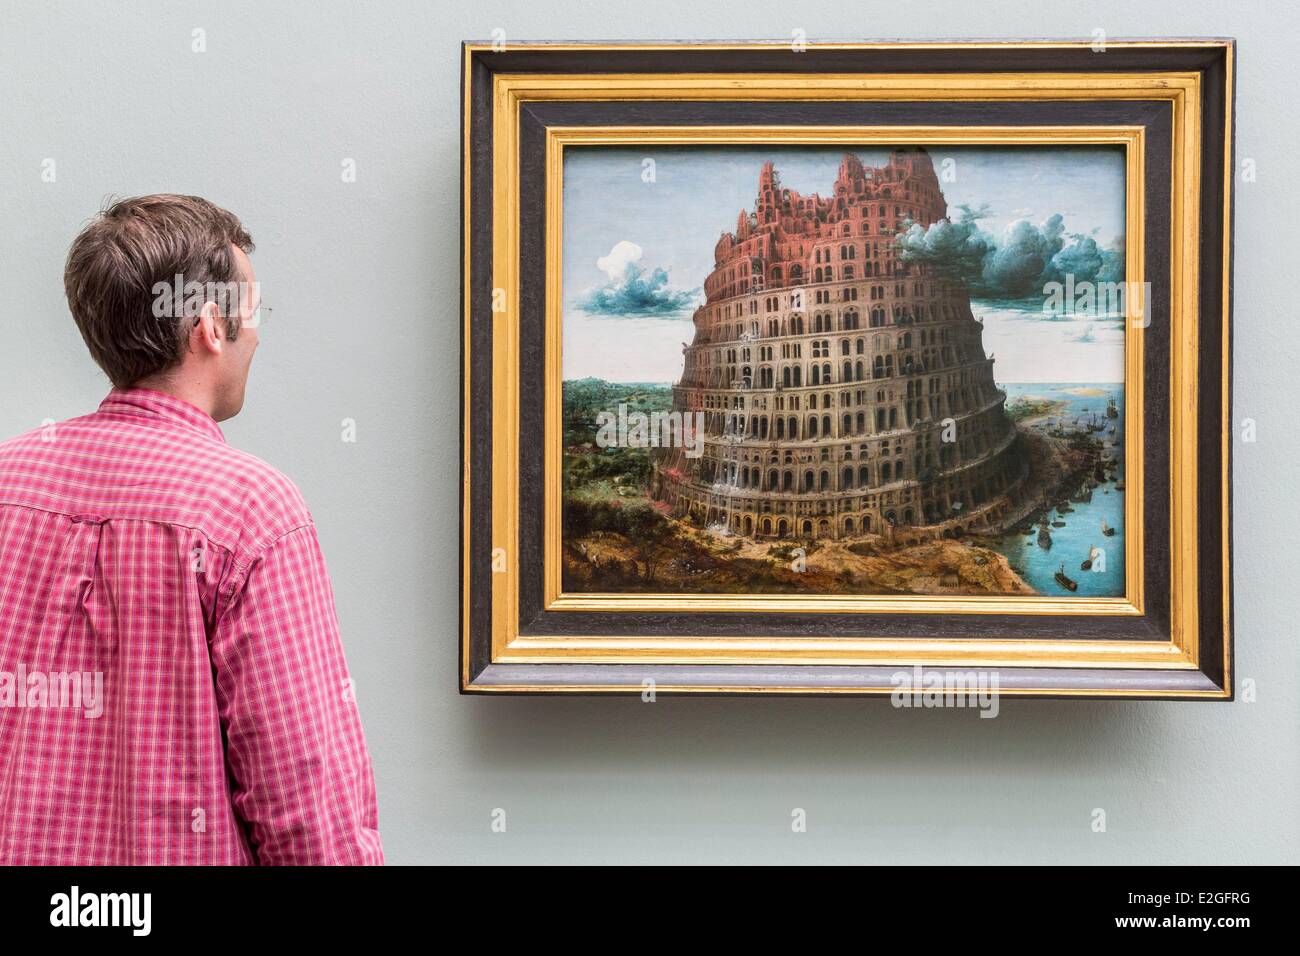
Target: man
172, 684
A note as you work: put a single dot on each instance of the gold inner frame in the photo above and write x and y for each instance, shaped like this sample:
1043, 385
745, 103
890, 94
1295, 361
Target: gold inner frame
1180, 89
1132, 138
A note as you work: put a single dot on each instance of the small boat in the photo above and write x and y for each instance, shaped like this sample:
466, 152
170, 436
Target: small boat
1087, 562
1107, 530
1119, 486
1058, 524
1065, 582
1063, 508
1044, 538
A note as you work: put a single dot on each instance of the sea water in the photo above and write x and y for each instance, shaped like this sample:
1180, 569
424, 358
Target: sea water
1082, 531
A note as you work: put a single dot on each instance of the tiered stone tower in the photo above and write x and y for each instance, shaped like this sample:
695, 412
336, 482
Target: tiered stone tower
845, 391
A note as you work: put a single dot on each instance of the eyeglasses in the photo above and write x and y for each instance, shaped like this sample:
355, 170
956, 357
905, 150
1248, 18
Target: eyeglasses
254, 321
261, 314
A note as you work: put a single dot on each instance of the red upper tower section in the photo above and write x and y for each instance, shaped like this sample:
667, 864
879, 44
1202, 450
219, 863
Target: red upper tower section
776, 245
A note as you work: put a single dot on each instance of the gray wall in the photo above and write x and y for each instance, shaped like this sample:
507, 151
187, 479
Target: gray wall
364, 277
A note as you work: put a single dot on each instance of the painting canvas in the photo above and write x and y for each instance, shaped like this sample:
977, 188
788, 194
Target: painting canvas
874, 371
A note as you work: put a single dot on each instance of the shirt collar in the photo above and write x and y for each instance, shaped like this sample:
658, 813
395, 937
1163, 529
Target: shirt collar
160, 407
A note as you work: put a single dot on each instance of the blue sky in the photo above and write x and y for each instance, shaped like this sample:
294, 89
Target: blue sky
625, 330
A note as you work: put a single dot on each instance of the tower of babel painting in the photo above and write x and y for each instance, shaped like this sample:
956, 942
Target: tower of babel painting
845, 392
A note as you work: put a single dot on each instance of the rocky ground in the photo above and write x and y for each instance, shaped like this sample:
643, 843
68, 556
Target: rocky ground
695, 561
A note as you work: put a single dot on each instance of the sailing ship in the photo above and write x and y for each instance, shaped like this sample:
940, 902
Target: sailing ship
1044, 537
1087, 562
1112, 410
1068, 583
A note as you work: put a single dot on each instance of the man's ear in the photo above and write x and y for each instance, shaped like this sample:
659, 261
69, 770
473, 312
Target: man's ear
207, 337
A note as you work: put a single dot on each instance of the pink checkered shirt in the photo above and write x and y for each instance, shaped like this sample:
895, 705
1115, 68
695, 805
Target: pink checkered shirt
172, 684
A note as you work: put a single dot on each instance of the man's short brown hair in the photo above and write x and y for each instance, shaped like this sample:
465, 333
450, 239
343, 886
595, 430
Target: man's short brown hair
117, 263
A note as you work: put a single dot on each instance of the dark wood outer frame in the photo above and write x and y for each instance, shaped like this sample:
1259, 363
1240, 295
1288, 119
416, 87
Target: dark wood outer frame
1154, 624
1211, 61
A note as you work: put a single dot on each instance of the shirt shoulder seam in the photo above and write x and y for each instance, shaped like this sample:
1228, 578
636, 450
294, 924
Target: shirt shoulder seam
239, 567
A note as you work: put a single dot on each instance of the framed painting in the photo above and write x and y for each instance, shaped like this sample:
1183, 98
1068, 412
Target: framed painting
846, 369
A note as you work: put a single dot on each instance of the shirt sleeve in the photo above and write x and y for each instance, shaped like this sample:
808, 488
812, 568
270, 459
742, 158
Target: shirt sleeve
301, 775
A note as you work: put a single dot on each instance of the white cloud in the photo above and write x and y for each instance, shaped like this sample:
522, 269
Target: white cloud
620, 257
